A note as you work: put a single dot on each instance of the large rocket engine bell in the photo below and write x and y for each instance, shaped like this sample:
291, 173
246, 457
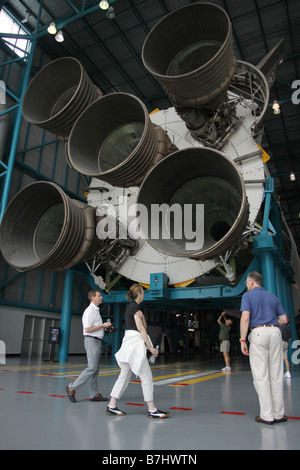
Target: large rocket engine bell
201, 152
57, 95
190, 53
114, 140
185, 178
37, 230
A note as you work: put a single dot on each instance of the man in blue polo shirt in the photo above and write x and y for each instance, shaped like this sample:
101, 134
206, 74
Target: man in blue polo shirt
262, 312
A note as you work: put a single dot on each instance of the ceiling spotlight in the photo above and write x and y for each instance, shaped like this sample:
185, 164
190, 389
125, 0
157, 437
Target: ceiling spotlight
292, 176
26, 18
59, 37
104, 5
52, 28
110, 14
276, 107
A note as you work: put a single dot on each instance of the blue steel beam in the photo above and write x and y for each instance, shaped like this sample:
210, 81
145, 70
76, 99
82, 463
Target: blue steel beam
11, 158
17, 127
64, 21
66, 315
160, 291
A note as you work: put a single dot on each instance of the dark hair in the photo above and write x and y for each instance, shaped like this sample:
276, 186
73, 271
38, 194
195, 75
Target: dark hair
133, 292
256, 277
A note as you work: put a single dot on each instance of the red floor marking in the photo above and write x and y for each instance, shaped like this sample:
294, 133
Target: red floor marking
26, 392
59, 396
136, 404
182, 384
231, 413
176, 408
293, 417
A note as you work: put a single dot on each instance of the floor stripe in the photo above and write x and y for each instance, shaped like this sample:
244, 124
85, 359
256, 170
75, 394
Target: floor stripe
78, 372
200, 379
182, 409
136, 404
183, 379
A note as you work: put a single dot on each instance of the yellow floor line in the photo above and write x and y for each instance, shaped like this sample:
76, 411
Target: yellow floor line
199, 379
169, 376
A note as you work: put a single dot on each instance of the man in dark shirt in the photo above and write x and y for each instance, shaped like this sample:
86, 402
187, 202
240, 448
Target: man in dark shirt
224, 340
262, 311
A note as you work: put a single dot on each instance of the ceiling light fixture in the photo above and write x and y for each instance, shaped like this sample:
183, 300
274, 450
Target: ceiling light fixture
104, 5
276, 107
26, 18
52, 29
110, 14
292, 176
59, 37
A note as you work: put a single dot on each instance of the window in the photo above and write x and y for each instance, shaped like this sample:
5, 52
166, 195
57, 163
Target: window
8, 25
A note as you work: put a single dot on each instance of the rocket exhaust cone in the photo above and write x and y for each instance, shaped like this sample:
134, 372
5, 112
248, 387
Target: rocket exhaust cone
57, 95
190, 53
113, 140
43, 228
183, 181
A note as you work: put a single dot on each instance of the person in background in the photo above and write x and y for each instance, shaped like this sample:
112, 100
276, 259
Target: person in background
93, 331
262, 312
224, 339
286, 337
131, 357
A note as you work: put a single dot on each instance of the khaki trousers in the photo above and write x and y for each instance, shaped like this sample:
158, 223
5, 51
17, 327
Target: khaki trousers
266, 362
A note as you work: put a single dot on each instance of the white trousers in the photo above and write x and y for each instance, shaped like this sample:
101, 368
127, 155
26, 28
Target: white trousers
266, 362
123, 380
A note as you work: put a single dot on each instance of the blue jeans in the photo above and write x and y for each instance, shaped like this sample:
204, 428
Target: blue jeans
93, 349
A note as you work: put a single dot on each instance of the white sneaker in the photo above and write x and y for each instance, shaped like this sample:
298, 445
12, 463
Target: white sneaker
158, 414
226, 369
115, 411
287, 375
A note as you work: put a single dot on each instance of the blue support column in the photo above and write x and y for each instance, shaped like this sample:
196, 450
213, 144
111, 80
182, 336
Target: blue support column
16, 132
279, 286
117, 324
268, 271
66, 314
18, 121
263, 244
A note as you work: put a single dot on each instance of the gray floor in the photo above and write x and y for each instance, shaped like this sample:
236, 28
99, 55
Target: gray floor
208, 409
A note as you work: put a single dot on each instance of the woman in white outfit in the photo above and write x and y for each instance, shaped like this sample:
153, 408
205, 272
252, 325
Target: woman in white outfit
132, 357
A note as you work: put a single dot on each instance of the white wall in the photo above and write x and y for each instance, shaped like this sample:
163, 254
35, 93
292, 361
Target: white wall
12, 320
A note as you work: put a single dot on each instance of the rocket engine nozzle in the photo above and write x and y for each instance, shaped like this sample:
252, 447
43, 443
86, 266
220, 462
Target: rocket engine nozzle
184, 180
114, 140
57, 95
43, 228
190, 53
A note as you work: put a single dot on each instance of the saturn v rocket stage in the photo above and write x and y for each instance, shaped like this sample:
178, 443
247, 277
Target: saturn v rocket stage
197, 162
